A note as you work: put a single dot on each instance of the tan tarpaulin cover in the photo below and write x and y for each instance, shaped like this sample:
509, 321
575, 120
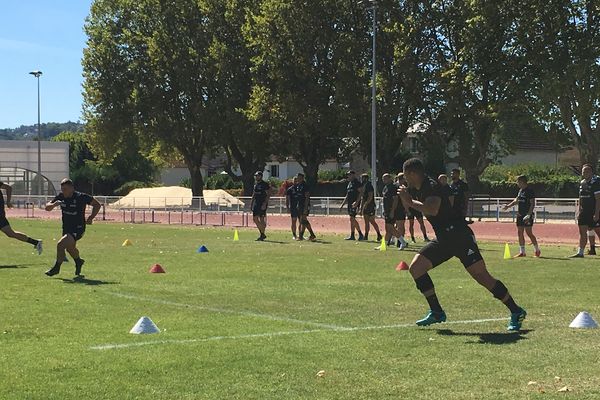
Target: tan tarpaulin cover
173, 196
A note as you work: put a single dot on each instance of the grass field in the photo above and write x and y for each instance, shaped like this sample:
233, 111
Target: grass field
259, 320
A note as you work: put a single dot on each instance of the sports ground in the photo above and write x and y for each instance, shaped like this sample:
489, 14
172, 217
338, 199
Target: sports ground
284, 320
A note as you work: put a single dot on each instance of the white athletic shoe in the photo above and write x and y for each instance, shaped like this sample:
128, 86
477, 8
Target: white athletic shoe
403, 245
39, 248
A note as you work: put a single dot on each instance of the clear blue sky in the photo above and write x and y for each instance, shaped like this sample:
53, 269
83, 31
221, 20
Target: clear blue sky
45, 35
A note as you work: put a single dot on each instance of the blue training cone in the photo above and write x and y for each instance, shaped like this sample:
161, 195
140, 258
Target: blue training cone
202, 249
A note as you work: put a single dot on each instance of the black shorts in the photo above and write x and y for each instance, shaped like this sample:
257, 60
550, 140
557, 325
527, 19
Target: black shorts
294, 212
527, 223
388, 220
588, 220
461, 244
75, 233
352, 211
3, 221
259, 212
412, 214
369, 211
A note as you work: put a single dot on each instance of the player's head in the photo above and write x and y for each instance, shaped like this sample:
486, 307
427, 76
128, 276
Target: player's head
400, 178
587, 171
443, 179
350, 175
455, 174
364, 178
258, 175
299, 177
66, 187
414, 172
522, 181
387, 179
295, 180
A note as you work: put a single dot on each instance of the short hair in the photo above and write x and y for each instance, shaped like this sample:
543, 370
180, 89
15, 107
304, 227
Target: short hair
400, 175
300, 174
522, 178
386, 175
413, 165
364, 175
587, 166
443, 176
455, 170
66, 181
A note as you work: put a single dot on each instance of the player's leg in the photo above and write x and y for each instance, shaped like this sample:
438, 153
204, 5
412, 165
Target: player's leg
355, 227
373, 221
411, 228
521, 235
294, 228
583, 238
401, 231
66, 241
8, 231
534, 242
423, 229
74, 252
306, 225
367, 225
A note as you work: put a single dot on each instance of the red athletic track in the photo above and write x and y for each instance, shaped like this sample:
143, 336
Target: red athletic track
566, 233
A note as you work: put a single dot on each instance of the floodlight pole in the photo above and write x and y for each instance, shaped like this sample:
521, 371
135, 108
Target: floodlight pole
373, 100
37, 74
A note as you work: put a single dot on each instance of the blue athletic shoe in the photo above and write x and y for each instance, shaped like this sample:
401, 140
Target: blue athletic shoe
516, 320
432, 318
361, 238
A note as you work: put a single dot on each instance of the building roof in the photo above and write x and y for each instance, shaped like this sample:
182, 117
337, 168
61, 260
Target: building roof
535, 143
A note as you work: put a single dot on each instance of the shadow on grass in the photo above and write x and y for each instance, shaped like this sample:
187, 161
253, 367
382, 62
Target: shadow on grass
14, 266
82, 280
488, 338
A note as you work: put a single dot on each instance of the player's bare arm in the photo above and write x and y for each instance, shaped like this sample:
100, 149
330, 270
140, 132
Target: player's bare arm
95, 209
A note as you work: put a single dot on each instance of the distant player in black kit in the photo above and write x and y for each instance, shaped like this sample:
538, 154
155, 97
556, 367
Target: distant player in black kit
413, 214
588, 216
401, 215
259, 204
290, 204
302, 199
525, 216
367, 206
460, 191
454, 238
72, 205
5, 225
352, 199
391, 207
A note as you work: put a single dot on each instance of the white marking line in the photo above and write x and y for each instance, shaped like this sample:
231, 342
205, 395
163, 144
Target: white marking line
275, 334
227, 311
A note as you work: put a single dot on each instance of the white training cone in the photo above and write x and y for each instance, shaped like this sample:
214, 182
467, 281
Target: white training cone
144, 325
584, 320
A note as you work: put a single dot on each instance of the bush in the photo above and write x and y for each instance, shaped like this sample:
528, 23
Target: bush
222, 181
330, 176
546, 181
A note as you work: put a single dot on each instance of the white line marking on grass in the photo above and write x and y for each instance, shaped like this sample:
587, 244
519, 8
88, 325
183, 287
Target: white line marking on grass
284, 333
227, 311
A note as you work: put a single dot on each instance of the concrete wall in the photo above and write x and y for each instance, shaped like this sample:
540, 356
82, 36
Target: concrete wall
531, 157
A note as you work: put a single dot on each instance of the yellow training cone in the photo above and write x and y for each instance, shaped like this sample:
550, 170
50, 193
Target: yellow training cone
236, 237
383, 246
126, 243
506, 252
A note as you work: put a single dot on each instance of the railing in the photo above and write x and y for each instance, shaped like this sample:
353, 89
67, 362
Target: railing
197, 210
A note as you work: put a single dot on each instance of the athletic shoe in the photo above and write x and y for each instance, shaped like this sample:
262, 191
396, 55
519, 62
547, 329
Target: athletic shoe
39, 248
377, 248
78, 265
591, 252
362, 238
379, 237
312, 238
426, 240
300, 238
52, 271
576, 255
294, 238
516, 320
261, 238
413, 239
351, 237
403, 245
520, 255
432, 318
538, 253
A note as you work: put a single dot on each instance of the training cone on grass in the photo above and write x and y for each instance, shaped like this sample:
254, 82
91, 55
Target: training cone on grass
402, 266
202, 249
383, 246
507, 252
584, 321
144, 326
236, 236
157, 269
126, 243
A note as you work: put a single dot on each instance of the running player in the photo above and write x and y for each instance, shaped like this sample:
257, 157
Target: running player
259, 204
367, 207
352, 194
525, 215
5, 225
589, 207
72, 205
302, 199
290, 204
454, 238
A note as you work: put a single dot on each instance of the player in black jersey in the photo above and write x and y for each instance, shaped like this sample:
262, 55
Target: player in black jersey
525, 215
401, 215
588, 215
5, 225
367, 206
302, 199
460, 192
454, 238
72, 205
391, 203
259, 204
290, 204
352, 199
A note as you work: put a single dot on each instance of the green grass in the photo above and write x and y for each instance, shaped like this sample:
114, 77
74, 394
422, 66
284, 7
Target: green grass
48, 326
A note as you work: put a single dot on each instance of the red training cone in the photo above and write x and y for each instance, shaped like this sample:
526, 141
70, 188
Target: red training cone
157, 269
402, 266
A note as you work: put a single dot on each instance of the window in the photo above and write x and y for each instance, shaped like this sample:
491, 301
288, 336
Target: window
274, 171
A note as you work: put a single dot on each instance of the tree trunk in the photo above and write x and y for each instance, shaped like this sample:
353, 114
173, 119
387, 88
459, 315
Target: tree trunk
194, 166
473, 180
311, 172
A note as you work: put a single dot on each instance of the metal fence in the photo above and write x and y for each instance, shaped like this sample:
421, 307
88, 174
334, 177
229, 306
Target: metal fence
196, 211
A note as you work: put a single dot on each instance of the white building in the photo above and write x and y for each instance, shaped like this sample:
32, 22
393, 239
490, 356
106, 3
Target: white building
19, 165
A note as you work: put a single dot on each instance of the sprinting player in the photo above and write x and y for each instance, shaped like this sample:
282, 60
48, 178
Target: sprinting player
443, 179
259, 204
290, 204
525, 215
5, 225
73, 205
589, 207
391, 203
460, 192
412, 215
302, 199
367, 207
454, 238
352, 198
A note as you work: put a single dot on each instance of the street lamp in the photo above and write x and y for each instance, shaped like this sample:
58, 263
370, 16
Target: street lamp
37, 74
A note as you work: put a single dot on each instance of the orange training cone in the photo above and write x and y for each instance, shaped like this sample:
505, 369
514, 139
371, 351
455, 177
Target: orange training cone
402, 266
157, 269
